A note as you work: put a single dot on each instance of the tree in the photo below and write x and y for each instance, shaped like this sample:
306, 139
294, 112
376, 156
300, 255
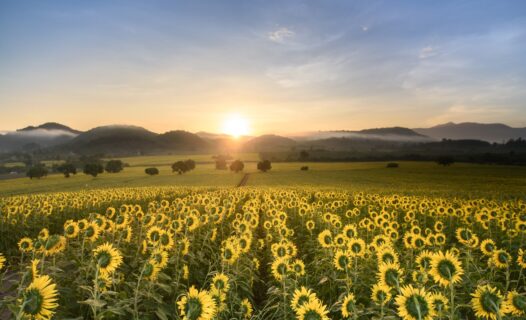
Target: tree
114, 166
38, 171
264, 165
221, 164
151, 171
237, 166
190, 164
179, 167
93, 169
445, 160
304, 155
67, 169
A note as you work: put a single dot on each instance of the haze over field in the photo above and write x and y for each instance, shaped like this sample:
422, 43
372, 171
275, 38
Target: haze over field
282, 66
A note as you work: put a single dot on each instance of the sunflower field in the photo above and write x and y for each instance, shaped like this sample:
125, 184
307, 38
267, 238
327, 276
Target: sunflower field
260, 253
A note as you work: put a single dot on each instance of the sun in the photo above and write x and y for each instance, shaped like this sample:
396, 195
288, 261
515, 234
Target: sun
236, 126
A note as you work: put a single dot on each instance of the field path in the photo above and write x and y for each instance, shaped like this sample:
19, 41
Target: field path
244, 180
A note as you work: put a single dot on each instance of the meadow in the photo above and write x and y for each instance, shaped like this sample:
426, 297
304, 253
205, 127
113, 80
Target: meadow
339, 241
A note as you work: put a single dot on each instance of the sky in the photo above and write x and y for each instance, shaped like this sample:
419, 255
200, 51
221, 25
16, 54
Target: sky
283, 66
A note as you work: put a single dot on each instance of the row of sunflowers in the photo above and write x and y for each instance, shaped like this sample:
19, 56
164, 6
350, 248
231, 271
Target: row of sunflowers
256, 253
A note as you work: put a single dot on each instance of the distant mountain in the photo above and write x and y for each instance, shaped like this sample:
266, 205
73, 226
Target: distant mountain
130, 140
182, 140
36, 137
399, 134
492, 132
50, 126
399, 131
269, 142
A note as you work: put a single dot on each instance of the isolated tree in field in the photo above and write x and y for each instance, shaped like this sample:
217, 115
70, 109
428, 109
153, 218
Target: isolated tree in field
67, 169
304, 155
114, 166
221, 164
264, 165
190, 164
38, 171
237, 166
445, 160
179, 167
151, 171
93, 169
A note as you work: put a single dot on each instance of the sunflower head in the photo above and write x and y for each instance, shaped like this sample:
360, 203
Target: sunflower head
348, 305
515, 304
415, 304
381, 293
486, 302
300, 297
107, 258
313, 310
246, 308
220, 282
446, 269
40, 299
197, 305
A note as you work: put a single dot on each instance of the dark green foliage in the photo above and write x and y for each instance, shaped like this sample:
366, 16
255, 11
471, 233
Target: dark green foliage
190, 164
264, 165
93, 169
67, 169
179, 167
114, 166
38, 171
151, 171
237, 166
445, 160
304, 168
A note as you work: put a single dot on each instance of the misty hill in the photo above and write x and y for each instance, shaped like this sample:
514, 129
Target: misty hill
397, 134
50, 126
399, 131
492, 132
33, 138
269, 142
130, 140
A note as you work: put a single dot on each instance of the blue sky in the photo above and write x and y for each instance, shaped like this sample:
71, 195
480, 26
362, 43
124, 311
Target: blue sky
286, 66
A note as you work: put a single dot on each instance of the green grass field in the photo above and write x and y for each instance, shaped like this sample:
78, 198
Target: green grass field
466, 180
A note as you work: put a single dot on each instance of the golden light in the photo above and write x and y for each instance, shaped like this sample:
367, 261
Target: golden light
236, 126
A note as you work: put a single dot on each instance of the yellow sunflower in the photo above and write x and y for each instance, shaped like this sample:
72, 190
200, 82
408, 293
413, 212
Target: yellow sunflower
521, 258
439, 302
325, 238
71, 229
381, 293
40, 299
342, 260
515, 304
313, 310
297, 267
356, 247
197, 305
486, 302
415, 304
246, 308
108, 258
446, 269
221, 282
2, 261
348, 305
151, 270
25, 245
487, 247
390, 274
229, 253
279, 268
300, 297
501, 258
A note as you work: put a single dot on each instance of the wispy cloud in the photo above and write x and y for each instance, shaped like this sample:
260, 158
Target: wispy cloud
427, 52
280, 35
318, 71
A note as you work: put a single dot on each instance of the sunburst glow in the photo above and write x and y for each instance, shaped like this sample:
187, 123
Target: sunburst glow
236, 126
